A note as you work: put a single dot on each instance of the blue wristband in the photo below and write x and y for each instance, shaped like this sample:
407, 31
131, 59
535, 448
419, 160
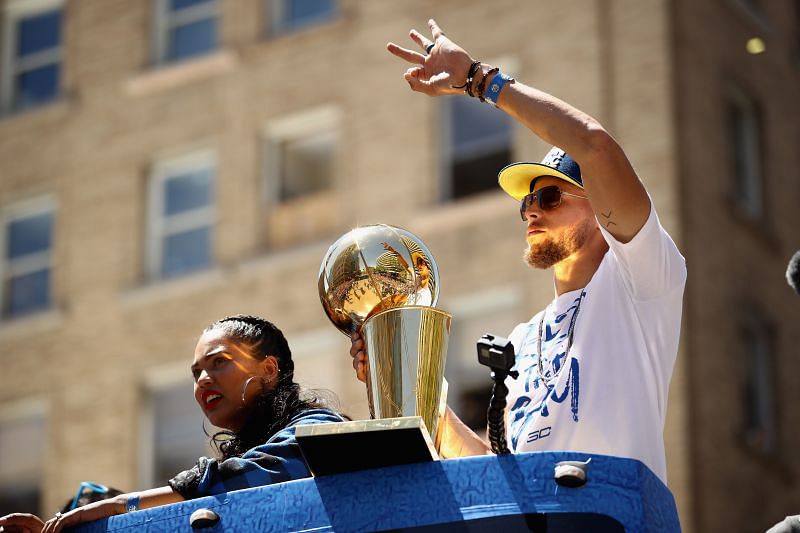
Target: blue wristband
495, 86
132, 504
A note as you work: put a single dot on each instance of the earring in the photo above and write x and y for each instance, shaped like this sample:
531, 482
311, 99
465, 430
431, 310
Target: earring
244, 388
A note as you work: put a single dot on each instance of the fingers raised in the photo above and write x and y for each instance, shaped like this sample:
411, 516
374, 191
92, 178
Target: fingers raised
436, 31
421, 40
405, 53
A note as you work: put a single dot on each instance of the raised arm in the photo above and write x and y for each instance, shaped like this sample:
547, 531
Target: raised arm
617, 196
112, 506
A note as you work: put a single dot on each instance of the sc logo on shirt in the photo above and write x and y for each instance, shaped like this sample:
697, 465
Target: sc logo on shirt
539, 434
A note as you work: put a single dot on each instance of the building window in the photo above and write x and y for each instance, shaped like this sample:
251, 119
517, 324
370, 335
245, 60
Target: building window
760, 429
493, 310
184, 29
27, 243
300, 154
744, 124
181, 216
22, 438
33, 35
290, 15
173, 433
301, 159
306, 164
477, 146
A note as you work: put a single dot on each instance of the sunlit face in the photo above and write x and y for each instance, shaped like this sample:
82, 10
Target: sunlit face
221, 367
423, 271
554, 235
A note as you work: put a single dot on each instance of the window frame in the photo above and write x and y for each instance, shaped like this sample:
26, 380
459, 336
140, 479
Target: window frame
27, 409
294, 127
165, 21
276, 25
758, 328
13, 12
751, 201
158, 225
32, 262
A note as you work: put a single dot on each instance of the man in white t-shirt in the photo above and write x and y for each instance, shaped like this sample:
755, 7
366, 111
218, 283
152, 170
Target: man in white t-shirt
594, 365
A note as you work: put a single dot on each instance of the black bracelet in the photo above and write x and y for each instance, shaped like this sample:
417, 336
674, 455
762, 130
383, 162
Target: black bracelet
482, 86
467, 86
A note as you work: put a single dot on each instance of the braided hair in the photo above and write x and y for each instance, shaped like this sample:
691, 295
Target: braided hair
274, 409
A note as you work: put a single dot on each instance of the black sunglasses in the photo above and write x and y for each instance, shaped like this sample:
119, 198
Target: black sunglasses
548, 197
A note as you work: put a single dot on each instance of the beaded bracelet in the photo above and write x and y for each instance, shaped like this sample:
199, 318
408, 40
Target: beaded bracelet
467, 86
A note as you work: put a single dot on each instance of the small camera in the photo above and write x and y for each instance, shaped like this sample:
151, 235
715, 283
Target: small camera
496, 352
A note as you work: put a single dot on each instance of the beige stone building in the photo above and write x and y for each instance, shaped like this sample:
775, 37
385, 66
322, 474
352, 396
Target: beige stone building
164, 163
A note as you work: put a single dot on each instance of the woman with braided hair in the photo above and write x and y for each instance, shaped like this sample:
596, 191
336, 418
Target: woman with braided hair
244, 383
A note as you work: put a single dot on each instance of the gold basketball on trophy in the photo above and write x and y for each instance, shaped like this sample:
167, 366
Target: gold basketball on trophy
374, 268
382, 281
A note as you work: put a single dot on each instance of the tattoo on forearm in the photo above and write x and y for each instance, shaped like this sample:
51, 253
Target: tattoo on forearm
609, 222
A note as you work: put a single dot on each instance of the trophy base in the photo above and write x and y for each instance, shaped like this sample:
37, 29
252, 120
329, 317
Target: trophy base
340, 447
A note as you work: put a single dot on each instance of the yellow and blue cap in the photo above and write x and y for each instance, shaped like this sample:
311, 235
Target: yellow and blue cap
517, 179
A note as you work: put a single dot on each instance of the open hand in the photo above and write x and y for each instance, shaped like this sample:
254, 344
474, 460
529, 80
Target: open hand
443, 65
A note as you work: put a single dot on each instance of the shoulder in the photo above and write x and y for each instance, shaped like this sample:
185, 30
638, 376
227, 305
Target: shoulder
315, 416
649, 265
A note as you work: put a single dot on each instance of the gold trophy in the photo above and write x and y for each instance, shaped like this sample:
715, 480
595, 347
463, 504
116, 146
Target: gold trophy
384, 281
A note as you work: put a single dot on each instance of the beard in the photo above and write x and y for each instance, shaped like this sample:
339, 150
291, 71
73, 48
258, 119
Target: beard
551, 251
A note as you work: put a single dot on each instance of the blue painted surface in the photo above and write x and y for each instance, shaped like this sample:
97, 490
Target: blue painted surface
426, 494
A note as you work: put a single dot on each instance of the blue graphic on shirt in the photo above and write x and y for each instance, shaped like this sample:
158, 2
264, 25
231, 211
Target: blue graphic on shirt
541, 391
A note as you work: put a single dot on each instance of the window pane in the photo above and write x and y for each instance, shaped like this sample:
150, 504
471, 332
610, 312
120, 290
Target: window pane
39, 33
27, 293
745, 147
186, 251
175, 5
193, 39
21, 456
21, 449
29, 235
759, 392
307, 165
474, 126
300, 12
178, 432
187, 191
37, 86
480, 145
477, 174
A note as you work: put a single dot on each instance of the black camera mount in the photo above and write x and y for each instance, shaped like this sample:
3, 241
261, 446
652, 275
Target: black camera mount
498, 354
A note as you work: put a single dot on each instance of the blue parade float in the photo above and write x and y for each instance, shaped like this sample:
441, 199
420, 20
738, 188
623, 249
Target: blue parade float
488, 493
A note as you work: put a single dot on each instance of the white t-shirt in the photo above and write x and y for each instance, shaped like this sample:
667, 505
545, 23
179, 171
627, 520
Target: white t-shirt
609, 395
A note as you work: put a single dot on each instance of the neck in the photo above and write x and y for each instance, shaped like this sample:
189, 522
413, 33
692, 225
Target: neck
576, 271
